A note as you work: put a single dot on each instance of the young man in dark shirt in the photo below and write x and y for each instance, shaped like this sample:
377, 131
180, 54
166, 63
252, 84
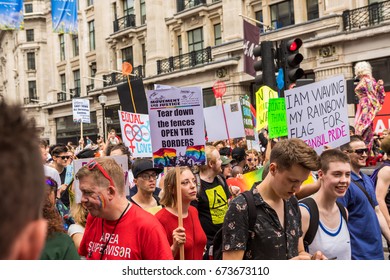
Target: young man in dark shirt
278, 224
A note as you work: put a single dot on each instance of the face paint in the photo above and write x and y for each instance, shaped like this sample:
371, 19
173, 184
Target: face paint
102, 202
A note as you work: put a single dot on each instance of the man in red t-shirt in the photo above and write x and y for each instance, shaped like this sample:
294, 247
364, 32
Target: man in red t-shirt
116, 229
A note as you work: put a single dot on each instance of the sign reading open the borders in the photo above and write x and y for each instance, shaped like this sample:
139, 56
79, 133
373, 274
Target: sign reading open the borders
177, 126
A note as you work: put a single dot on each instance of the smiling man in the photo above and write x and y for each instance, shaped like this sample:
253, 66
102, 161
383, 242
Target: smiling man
365, 220
277, 229
331, 234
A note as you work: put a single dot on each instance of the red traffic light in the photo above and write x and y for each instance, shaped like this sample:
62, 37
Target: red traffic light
294, 44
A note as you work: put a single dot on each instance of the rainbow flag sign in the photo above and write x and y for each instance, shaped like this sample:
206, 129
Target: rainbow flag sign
247, 180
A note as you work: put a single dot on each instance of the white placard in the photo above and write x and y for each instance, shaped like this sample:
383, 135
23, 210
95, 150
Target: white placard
215, 123
136, 133
317, 113
81, 111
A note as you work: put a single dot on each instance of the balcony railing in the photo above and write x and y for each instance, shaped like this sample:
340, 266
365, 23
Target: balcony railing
90, 87
31, 100
75, 92
184, 61
186, 4
364, 17
124, 22
116, 78
61, 96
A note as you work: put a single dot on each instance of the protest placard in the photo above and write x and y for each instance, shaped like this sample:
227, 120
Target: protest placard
262, 96
177, 126
317, 113
277, 118
247, 118
81, 111
136, 133
214, 121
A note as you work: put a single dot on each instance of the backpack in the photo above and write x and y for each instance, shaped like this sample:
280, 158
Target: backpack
215, 250
310, 203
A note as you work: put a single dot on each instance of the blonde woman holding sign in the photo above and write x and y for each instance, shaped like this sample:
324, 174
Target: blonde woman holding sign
191, 234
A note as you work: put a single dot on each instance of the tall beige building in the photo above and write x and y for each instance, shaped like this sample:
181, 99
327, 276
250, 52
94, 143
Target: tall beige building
178, 43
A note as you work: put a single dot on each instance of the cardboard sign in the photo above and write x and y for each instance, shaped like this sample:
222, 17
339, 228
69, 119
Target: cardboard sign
136, 133
177, 126
81, 111
317, 113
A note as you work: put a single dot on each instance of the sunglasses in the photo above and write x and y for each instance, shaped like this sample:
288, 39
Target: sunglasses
93, 164
250, 159
63, 157
360, 151
52, 184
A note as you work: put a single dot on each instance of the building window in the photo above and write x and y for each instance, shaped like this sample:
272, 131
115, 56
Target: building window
127, 55
259, 17
195, 40
63, 83
128, 7
28, 8
76, 82
143, 55
89, 2
143, 11
217, 34
31, 61
30, 35
91, 28
62, 46
75, 45
92, 71
179, 45
312, 9
32, 91
282, 14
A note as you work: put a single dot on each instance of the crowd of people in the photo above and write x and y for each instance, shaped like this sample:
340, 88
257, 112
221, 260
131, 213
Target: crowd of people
176, 213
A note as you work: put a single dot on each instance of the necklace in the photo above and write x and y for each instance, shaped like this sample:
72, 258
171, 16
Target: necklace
113, 231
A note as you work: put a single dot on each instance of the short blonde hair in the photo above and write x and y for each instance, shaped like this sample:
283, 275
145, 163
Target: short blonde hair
208, 151
113, 170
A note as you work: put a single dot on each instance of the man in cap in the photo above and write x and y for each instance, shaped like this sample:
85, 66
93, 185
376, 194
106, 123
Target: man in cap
145, 177
226, 167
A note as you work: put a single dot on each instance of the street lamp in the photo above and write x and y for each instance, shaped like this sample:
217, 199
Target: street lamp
103, 101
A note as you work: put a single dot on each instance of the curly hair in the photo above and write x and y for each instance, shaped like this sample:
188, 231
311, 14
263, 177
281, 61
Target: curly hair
363, 68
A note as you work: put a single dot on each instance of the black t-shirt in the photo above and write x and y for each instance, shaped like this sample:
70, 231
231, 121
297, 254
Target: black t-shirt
212, 205
65, 195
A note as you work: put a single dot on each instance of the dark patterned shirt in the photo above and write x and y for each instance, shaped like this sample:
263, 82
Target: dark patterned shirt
270, 241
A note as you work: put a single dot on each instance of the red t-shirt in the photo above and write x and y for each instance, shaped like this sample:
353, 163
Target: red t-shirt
138, 236
195, 237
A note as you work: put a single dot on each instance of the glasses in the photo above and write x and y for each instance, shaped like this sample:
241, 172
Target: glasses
147, 177
93, 164
63, 157
360, 151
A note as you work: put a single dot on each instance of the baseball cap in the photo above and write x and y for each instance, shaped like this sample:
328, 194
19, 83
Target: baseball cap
141, 165
225, 160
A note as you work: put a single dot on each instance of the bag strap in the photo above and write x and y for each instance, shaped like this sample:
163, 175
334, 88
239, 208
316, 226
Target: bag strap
252, 214
342, 210
311, 205
365, 192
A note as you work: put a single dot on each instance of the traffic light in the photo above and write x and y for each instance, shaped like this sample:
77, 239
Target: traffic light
266, 64
290, 58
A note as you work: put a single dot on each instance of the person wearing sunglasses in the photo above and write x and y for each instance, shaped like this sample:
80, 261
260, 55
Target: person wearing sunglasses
60, 162
116, 229
145, 180
366, 222
252, 159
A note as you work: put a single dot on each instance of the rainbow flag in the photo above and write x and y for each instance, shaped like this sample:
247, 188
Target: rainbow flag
164, 157
253, 113
196, 153
247, 180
